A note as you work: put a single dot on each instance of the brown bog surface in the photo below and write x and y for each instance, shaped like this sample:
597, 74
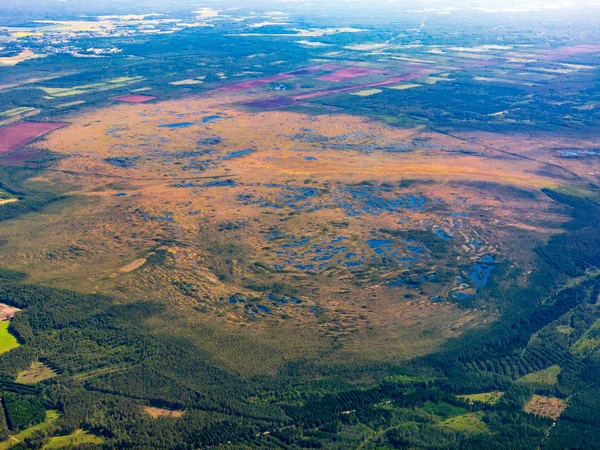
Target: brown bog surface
18, 134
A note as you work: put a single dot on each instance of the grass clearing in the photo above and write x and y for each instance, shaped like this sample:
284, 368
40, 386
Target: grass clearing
402, 87
79, 437
435, 80
578, 191
7, 340
68, 93
589, 342
546, 377
121, 80
187, 82
467, 423
491, 398
115, 83
67, 105
367, 92
564, 329
36, 373
51, 417
17, 111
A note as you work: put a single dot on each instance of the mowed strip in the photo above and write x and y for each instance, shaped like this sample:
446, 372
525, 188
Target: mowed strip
18, 134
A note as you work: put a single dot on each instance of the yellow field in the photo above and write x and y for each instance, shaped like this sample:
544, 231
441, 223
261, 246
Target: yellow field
115, 83
75, 103
25, 55
401, 87
17, 111
367, 92
190, 81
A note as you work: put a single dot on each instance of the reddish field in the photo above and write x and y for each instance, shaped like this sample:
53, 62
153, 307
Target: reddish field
133, 98
25, 156
18, 134
564, 52
349, 72
474, 63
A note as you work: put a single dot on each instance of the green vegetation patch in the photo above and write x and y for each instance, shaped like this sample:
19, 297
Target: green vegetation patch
79, 437
589, 342
7, 340
11, 275
467, 423
579, 191
5, 195
565, 329
491, 398
45, 426
546, 377
17, 111
367, 92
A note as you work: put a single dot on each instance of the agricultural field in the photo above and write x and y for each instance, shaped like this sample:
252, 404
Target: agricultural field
247, 228
7, 341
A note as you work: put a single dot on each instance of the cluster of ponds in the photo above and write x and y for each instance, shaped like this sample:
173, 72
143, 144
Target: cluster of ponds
254, 310
318, 254
354, 200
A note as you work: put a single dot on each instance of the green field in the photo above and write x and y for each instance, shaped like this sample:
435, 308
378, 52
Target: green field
79, 437
491, 398
468, 423
546, 377
7, 340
